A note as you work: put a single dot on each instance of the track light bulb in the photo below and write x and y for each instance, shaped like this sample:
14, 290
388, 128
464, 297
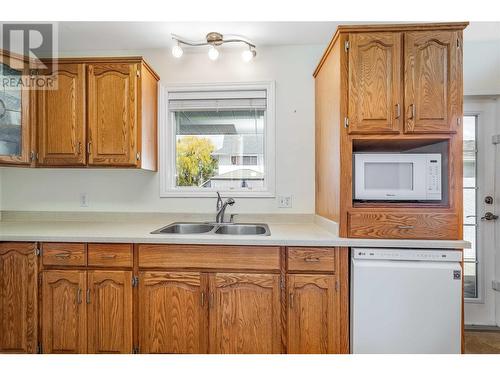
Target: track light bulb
248, 54
177, 51
213, 54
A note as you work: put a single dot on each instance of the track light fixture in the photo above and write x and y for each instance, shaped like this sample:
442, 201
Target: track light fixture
214, 40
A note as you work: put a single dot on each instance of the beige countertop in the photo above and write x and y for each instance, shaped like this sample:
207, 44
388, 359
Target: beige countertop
286, 230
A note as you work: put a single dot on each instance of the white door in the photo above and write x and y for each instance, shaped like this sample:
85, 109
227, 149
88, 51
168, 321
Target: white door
481, 162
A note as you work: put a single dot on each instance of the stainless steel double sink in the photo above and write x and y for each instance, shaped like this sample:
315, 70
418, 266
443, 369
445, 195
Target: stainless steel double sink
215, 228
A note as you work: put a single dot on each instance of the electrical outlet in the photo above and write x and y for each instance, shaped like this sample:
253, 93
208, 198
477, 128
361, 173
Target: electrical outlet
84, 200
284, 201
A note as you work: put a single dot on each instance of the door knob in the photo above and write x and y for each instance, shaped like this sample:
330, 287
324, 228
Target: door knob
489, 216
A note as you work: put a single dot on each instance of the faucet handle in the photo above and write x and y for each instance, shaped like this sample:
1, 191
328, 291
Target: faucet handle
219, 201
231, 218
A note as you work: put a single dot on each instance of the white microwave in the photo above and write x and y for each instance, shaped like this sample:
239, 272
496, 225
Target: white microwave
386, 176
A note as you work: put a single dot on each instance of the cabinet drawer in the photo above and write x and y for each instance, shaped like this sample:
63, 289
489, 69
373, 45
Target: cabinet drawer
442, 226
211, 257
64, 254
110, 255
311, 259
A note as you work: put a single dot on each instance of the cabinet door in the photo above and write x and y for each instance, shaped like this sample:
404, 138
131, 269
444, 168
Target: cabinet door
173, 312
313, 324
64, 328
433, 88
18, 298
109, 312
112, 114
61, 118
15, 111
375, 84
245, 313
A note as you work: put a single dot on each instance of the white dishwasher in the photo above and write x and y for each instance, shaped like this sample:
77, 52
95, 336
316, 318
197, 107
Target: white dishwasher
406, 301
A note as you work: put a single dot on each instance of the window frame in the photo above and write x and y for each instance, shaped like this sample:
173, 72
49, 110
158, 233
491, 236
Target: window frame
167, 137
478, 262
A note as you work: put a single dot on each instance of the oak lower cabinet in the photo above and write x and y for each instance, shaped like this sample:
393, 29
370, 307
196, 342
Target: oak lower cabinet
86, 311
64, 322
109, 312
245, 313
313, 314
173, 312
18, 297
179, 311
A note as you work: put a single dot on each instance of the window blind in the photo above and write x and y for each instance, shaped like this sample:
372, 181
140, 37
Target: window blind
210, 100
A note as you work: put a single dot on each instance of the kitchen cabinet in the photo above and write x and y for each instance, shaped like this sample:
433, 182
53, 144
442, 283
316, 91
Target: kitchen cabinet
112, 106
313, 314
61, 118
433, 88
64, 323
86, 310
18, 297
122, 113
173, 312
243, 299
390, 89
109, 312
375, 84
245, 313
15, 111
103, 114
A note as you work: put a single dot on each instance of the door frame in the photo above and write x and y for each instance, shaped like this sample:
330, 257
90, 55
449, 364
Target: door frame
481, 310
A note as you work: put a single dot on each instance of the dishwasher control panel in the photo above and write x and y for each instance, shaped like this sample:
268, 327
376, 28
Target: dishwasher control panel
434, 255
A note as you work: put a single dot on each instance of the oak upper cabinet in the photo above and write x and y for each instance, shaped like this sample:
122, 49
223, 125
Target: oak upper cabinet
433, 81
173, 312
245, 313
109, 314
122, 115
61, 118
18, 298
375, 85
313, 314
112, 106
15, 111
64, 324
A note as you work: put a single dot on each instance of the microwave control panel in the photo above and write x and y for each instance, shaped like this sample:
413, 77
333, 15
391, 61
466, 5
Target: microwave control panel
434, 177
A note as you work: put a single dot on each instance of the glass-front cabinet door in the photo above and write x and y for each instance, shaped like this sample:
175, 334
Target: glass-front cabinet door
14, 113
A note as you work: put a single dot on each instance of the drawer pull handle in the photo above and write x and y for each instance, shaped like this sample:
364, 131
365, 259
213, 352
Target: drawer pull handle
406, 226
79, 296
62, 255
109, 256
311, 260
291, 300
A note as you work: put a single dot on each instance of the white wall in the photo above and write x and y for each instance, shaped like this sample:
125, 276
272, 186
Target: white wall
290, 66
481, 68
131, 190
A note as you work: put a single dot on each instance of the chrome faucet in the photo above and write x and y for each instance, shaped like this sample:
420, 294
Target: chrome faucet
221, 208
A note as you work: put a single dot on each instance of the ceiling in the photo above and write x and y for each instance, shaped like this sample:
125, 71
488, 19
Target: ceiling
95, 36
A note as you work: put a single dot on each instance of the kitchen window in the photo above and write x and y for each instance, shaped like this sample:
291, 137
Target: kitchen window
217, 138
